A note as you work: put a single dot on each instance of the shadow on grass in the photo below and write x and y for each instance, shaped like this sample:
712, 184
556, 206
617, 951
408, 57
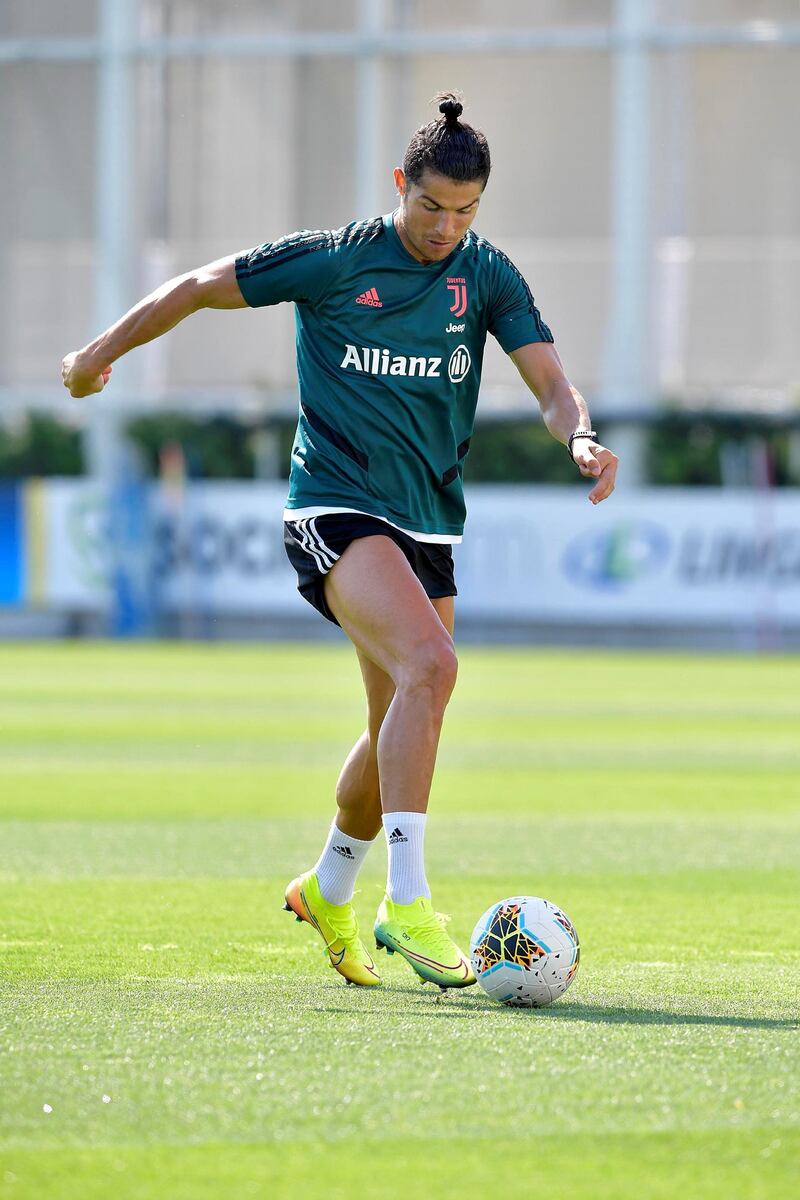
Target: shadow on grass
472, 1004
602, 1014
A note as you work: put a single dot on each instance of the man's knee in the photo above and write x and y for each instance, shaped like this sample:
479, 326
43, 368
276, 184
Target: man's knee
434, 666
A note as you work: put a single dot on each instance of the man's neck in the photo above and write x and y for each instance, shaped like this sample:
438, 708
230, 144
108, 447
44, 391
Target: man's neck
399, 226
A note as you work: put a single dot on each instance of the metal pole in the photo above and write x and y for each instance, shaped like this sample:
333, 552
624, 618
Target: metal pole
627, 377
114, 247
109, 460
368, 107
476, 40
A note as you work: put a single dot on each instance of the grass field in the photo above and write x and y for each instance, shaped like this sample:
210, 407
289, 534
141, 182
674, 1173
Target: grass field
167, 1031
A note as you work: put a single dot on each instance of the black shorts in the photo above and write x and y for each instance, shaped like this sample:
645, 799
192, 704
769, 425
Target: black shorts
314, 544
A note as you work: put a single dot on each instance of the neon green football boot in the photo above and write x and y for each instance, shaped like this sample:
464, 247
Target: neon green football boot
418, 933
337, 926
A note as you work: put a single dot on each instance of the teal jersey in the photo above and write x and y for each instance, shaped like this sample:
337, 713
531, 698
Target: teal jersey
389, 356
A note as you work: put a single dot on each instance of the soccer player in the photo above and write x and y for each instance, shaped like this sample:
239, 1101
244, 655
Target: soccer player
392, 317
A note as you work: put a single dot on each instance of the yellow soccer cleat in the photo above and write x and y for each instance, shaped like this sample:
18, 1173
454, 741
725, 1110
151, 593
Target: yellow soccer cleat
418, 933
337, 926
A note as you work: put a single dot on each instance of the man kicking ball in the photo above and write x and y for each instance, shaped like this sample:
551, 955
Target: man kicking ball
392, 318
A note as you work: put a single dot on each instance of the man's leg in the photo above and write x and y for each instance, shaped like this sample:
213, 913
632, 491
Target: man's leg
359, 792
381, 605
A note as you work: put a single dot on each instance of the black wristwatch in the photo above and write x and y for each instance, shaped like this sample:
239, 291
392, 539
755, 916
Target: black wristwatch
579, 433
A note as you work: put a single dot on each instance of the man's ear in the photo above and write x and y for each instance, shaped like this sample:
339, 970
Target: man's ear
400, 180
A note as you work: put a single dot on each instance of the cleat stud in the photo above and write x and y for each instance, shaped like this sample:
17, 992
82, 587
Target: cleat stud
389, 950
287, 907
297, 918
379, 945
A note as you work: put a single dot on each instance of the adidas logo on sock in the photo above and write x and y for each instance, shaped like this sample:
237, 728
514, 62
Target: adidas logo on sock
345, 851
397, 835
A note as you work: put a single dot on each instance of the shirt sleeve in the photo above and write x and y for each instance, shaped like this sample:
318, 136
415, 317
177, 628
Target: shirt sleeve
299, 268
514, 318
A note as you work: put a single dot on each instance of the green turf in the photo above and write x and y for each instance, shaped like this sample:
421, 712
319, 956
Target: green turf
154, 801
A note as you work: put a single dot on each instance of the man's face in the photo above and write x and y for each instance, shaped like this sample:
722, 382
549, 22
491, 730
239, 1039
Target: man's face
435, 213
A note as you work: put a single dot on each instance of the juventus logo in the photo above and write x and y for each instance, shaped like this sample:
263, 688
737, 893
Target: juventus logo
458, 286
459, 365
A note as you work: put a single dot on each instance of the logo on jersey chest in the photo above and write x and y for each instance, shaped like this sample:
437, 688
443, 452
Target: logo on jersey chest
374, 361
457, 284
371, 298
459, 365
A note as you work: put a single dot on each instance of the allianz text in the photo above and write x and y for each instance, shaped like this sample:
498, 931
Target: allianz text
375, 361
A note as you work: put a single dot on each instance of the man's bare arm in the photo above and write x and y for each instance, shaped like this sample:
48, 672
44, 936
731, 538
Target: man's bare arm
564, 410
213, 286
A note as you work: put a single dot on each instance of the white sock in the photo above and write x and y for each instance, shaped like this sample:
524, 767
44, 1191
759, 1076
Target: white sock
405, 837
339, 864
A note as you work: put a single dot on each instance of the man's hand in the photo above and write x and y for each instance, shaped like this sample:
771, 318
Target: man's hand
596, 462
80, 377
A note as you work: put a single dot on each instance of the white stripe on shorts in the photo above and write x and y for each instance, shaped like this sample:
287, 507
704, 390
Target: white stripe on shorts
302, 534
321, 545
308, 546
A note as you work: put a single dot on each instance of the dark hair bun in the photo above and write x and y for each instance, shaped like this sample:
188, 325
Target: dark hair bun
452, 110
448, 146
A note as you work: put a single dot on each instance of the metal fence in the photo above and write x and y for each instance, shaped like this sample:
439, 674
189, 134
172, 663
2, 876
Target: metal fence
645, 181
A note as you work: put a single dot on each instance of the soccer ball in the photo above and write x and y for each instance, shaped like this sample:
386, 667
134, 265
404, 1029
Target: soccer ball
525, 952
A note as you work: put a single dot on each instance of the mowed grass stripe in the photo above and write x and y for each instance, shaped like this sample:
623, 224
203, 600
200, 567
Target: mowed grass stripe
40, 789
755, 1165
255, 848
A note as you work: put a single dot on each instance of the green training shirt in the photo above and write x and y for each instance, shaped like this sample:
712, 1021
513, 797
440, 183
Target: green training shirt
389, 355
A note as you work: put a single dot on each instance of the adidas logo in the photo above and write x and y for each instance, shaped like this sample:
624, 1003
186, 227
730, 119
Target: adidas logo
371, 298
397, 835
345, 851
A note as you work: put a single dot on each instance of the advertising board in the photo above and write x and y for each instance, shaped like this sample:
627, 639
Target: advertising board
672, 556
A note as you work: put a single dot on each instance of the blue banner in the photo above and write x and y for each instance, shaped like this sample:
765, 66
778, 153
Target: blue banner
12, 581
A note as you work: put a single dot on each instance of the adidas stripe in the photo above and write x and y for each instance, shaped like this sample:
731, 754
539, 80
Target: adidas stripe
306, 533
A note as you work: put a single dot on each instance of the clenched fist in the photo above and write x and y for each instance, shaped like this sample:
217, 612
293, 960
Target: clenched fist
80, 377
